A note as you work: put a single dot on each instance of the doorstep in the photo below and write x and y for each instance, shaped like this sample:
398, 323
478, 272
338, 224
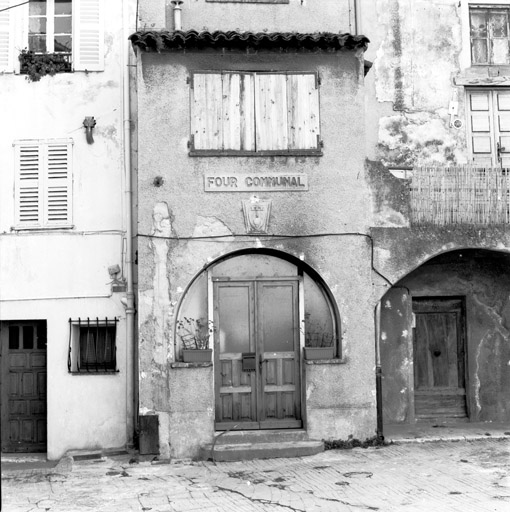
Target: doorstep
260, 444
434, 431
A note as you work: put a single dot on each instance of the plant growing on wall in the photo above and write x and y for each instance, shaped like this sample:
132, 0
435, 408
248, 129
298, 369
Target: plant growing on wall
37, 65
195, 333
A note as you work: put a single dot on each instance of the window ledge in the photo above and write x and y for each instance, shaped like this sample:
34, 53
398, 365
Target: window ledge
325, 361
93, 372
484, 75
180, 364
42, 228
294, 152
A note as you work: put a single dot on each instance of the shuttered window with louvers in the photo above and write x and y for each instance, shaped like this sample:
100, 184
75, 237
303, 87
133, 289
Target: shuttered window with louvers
72, 31
254, 113
43, 184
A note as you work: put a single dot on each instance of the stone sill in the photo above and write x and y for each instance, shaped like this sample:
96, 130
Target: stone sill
325, 361
180, 364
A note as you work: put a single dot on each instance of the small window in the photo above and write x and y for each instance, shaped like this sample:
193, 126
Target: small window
43, 184
489, 35
92, 346
255, 114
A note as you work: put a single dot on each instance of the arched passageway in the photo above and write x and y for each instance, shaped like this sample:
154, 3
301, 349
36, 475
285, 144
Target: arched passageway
444, 339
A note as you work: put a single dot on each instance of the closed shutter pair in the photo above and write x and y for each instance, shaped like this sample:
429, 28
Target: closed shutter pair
43, 184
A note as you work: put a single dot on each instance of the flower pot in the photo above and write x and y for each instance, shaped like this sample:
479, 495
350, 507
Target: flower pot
319, 353
197, 356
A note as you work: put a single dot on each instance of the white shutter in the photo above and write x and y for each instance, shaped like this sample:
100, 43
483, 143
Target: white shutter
481, 128
29, 165
6, 58
88, 35
57, 193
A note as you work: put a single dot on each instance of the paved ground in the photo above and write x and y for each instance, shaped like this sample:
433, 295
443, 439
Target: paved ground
463, 476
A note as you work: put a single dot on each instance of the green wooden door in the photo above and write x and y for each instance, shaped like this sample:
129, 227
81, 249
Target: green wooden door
439, 359
257, 319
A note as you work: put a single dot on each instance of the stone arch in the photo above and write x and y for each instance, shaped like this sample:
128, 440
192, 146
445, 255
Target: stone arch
320, 308
473, 284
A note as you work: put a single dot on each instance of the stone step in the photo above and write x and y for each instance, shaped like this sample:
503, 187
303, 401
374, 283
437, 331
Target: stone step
260, 450
260, 436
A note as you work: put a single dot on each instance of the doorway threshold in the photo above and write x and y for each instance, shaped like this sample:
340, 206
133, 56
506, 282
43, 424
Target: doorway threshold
435, 431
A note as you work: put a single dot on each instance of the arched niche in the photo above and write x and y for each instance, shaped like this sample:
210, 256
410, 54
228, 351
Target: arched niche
318, 320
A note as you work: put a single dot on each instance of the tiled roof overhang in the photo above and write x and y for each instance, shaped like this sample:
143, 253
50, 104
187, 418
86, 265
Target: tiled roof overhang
278, 41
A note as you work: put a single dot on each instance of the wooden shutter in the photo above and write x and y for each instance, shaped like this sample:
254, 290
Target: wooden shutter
271, 119
6, 59
57, 207
29, 164
206, 117
238, 112
43, 184
88, 35
481, 128
303, 111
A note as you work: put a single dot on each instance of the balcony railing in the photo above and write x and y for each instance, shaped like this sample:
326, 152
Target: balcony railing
460, 195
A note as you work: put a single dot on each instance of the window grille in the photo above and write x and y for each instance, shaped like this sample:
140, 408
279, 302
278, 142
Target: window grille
92, 347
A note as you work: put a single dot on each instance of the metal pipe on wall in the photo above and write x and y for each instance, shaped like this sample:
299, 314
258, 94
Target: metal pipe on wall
131, 357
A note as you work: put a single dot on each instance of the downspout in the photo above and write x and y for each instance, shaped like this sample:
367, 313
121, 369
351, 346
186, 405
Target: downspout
357, 21
378, 373
132, 353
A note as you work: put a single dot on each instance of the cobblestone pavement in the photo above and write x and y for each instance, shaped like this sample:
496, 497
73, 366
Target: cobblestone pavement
464, 476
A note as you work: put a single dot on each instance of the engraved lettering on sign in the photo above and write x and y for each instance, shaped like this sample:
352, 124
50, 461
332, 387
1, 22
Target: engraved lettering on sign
255, 181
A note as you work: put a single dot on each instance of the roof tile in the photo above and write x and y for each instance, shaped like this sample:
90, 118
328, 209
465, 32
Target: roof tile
277, 41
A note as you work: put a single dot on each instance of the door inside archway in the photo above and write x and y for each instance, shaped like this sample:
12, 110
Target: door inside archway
439, 358
257, 353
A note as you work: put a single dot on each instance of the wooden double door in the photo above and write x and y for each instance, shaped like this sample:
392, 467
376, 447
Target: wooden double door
23, 386
439, 359
257, 354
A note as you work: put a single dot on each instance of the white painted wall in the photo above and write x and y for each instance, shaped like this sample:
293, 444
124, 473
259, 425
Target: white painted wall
58, 274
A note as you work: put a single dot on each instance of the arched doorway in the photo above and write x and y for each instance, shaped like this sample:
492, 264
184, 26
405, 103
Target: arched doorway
444, 338
261, 307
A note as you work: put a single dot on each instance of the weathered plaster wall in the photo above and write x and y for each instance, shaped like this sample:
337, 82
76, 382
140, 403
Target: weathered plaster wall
334, 207
395, 339
416, 49
294, 16
484, 280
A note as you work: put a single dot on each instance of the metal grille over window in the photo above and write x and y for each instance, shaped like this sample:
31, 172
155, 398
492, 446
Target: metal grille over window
92, 347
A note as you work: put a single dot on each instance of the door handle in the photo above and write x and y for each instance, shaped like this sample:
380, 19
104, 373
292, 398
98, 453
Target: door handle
498, 150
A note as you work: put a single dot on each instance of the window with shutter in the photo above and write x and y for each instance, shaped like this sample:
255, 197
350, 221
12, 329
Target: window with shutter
245, 113
68, 33
43, 184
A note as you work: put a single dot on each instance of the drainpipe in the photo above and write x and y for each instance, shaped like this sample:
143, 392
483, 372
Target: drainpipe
132, 355
177, 14
378, 373
357, 21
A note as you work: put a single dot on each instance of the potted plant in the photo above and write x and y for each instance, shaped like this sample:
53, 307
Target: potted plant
319, 345
195, 334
